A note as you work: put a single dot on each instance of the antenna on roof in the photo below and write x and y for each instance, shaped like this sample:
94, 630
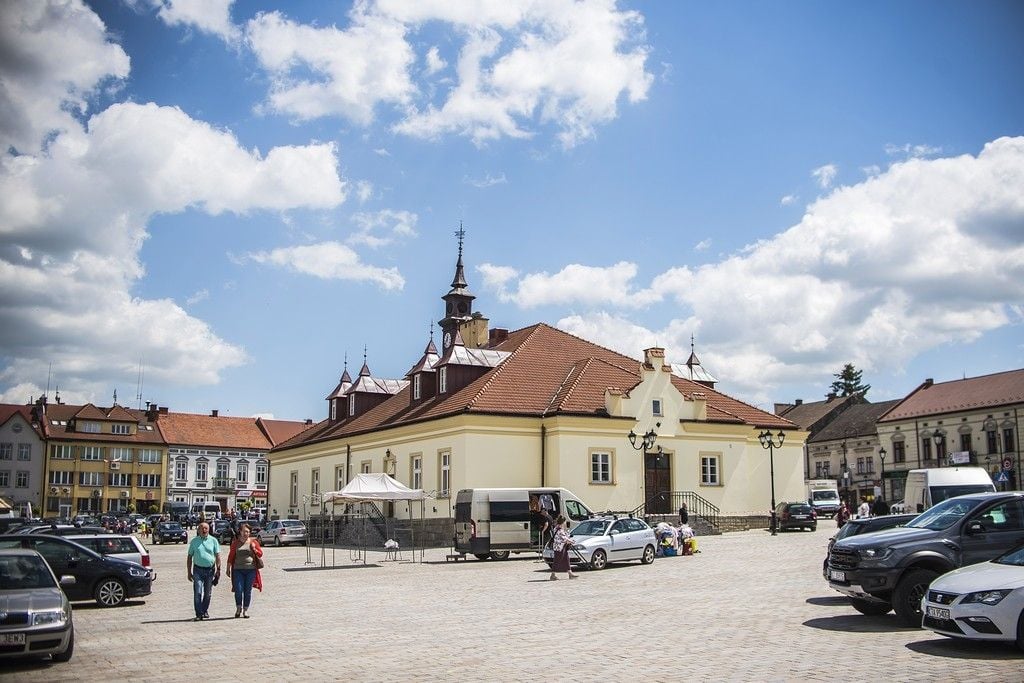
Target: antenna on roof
115, 397
138, 386
49, 374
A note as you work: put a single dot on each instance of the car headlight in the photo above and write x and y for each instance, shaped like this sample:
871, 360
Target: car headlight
876, 553
52, 617
985, 597
137, 571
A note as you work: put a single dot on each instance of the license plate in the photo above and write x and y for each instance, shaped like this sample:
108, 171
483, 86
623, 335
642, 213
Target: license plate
836, 575
938, 613
12, 638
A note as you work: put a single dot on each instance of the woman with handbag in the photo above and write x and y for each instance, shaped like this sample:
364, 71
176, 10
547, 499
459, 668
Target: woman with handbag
245, 560
561, 545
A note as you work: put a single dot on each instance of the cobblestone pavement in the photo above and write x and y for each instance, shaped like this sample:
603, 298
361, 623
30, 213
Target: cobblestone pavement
749, 607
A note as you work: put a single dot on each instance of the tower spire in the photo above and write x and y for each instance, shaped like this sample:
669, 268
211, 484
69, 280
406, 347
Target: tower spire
459, 281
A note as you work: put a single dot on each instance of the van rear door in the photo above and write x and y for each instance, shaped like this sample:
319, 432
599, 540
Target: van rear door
464, 525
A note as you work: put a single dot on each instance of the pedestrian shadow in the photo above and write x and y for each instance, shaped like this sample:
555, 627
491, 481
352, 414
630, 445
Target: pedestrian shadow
178, 621
967, 649
337, 566
859, 623
87, 606
830, 601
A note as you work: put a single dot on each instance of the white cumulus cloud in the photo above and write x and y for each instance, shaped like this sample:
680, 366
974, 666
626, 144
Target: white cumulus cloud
209, 16
824, 175
328, 261
384, 227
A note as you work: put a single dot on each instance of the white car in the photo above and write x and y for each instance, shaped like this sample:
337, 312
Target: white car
600, 541
282, 531
980, 602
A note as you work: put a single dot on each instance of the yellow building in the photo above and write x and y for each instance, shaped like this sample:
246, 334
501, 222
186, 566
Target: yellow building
102, 460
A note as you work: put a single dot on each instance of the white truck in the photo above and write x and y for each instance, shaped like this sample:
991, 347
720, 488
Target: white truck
823, 496
926, 487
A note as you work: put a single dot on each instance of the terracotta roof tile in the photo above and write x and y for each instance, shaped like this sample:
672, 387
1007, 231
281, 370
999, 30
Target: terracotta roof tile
857, 420
9, 410
219, 432
61, 412
279, 431
987, 391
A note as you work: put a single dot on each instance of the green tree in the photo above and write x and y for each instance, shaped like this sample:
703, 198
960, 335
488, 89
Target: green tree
848, 382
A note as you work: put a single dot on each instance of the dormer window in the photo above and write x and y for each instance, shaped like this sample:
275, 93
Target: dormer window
120, 429
442, 381
416, 386
351, 406
334, 409
656, 407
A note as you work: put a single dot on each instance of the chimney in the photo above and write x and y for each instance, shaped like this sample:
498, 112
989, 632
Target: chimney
213, 413
162, 410
496, 336
798, 402
309, 421
928, 382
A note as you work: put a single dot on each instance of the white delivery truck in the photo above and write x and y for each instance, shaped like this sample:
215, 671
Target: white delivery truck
823, 496
927, 487
491, 523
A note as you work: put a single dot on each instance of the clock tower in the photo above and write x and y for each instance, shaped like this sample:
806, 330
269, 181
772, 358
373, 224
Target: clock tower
458, 302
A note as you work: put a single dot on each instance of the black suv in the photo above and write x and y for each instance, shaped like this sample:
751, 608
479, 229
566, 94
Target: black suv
107, 580
796, 516
892, 569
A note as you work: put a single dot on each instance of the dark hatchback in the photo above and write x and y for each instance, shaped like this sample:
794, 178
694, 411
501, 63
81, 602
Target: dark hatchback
169, 532
796, 516
107, 580
865, 525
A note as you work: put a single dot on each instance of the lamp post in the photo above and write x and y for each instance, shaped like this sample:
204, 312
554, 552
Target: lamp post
846, 475
643, 444
881, 454
939, 438
991, 427
767, 441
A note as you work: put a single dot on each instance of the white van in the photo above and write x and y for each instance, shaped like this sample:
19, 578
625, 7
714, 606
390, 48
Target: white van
206, 511
927, 487
491, 523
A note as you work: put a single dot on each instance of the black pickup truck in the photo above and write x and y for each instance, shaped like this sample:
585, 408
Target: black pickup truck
891, 570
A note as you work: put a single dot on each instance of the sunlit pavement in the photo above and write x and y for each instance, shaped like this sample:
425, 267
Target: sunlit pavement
749, 607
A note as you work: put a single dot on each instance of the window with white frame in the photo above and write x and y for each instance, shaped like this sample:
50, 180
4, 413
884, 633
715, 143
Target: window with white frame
62, 452
339, 477
416, 465
445, 479
656, 407
88, 427
24, 451
90, 478
261, 473
334, 409
351, 406
365, 467
416, 386
223, 469
600, 467
314, 481
92, 453
860, 465
201, 474
181, 470
6, 451
118, 428
5, 478
149, 455
243, 473
150, 481
120, 479
122, 454
58, 478
709, 471
293, 489
21, 480
442, 381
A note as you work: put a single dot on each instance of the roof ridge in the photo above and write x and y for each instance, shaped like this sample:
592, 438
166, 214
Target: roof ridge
497, 371
705, 389
572, 369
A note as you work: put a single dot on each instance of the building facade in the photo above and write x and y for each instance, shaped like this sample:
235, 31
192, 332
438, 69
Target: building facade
22, 458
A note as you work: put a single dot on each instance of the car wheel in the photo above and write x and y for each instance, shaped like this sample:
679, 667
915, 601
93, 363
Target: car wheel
109, 592
599, 560
906, 599
482, 556
868, 608
1020, 631
66, 655
500, 554
277, 541
648, 555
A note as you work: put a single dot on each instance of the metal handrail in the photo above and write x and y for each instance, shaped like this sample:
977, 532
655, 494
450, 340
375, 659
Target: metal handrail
696, 505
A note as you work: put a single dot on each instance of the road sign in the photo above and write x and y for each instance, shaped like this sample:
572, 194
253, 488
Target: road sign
1002, 477
1007, 463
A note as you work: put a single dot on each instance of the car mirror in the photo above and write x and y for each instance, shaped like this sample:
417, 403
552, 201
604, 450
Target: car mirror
613, 532
67, 580
975, 527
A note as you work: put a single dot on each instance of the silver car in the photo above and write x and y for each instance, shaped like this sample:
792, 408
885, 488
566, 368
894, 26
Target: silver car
600, 541
282, 531
35, 615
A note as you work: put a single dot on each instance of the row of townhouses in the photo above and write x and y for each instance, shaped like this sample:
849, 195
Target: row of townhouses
65, 459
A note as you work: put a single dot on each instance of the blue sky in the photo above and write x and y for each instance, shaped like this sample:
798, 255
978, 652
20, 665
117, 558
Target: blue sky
234, 196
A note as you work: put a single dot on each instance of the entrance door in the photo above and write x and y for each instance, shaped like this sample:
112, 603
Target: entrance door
658, 483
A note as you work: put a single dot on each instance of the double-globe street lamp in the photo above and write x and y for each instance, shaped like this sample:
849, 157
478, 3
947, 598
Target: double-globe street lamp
882, 454
992, 427
644, 443
768, 441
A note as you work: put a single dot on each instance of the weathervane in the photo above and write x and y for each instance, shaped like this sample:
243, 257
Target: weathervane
461, 234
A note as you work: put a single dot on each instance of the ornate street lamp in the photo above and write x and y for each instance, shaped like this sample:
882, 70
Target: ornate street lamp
643, 444
881, 454
991, 427
939, 438
767, 441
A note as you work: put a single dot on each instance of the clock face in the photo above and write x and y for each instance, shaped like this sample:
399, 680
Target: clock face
447, 339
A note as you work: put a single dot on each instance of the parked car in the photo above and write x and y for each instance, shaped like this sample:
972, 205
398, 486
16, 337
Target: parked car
74, 530
795, 516
121, 546
282, 531
866, 525
169, 532
107, 580
603, 540
980, 602
221, 530
892, 569
37, 619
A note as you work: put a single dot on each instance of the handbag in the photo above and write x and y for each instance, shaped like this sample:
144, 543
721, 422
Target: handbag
257, 561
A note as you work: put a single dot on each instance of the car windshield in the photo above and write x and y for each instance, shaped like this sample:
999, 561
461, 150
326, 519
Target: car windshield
944, 515
1014, 558
21, 572
591, 527
825, 495
291, 522
799, 508
170, 526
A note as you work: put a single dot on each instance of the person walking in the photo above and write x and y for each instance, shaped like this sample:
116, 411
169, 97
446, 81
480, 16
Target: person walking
245, 559
203, 566
843, 515
684, 514
864, 511
561, 545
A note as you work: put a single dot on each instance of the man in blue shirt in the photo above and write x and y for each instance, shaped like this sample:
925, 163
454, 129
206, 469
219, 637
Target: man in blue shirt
203, 565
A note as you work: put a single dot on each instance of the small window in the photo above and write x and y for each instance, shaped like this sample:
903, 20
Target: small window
442, 381
416, 386
709, 471
656, 406
351, 406
120, 429
600, 468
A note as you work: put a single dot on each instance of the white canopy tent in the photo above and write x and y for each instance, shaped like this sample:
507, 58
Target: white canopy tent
378, 487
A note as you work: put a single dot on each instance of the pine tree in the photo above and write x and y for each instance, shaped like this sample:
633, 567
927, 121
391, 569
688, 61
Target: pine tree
848, 382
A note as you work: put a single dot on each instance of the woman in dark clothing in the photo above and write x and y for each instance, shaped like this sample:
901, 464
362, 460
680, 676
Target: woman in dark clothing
561, 545
684, 515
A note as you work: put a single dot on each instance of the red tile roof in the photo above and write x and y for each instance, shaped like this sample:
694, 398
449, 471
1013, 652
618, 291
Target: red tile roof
61, 412
973, 393
188, 429
547, 372
279, 431
9, 410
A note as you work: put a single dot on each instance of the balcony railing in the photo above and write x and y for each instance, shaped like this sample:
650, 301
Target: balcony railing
222, 484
